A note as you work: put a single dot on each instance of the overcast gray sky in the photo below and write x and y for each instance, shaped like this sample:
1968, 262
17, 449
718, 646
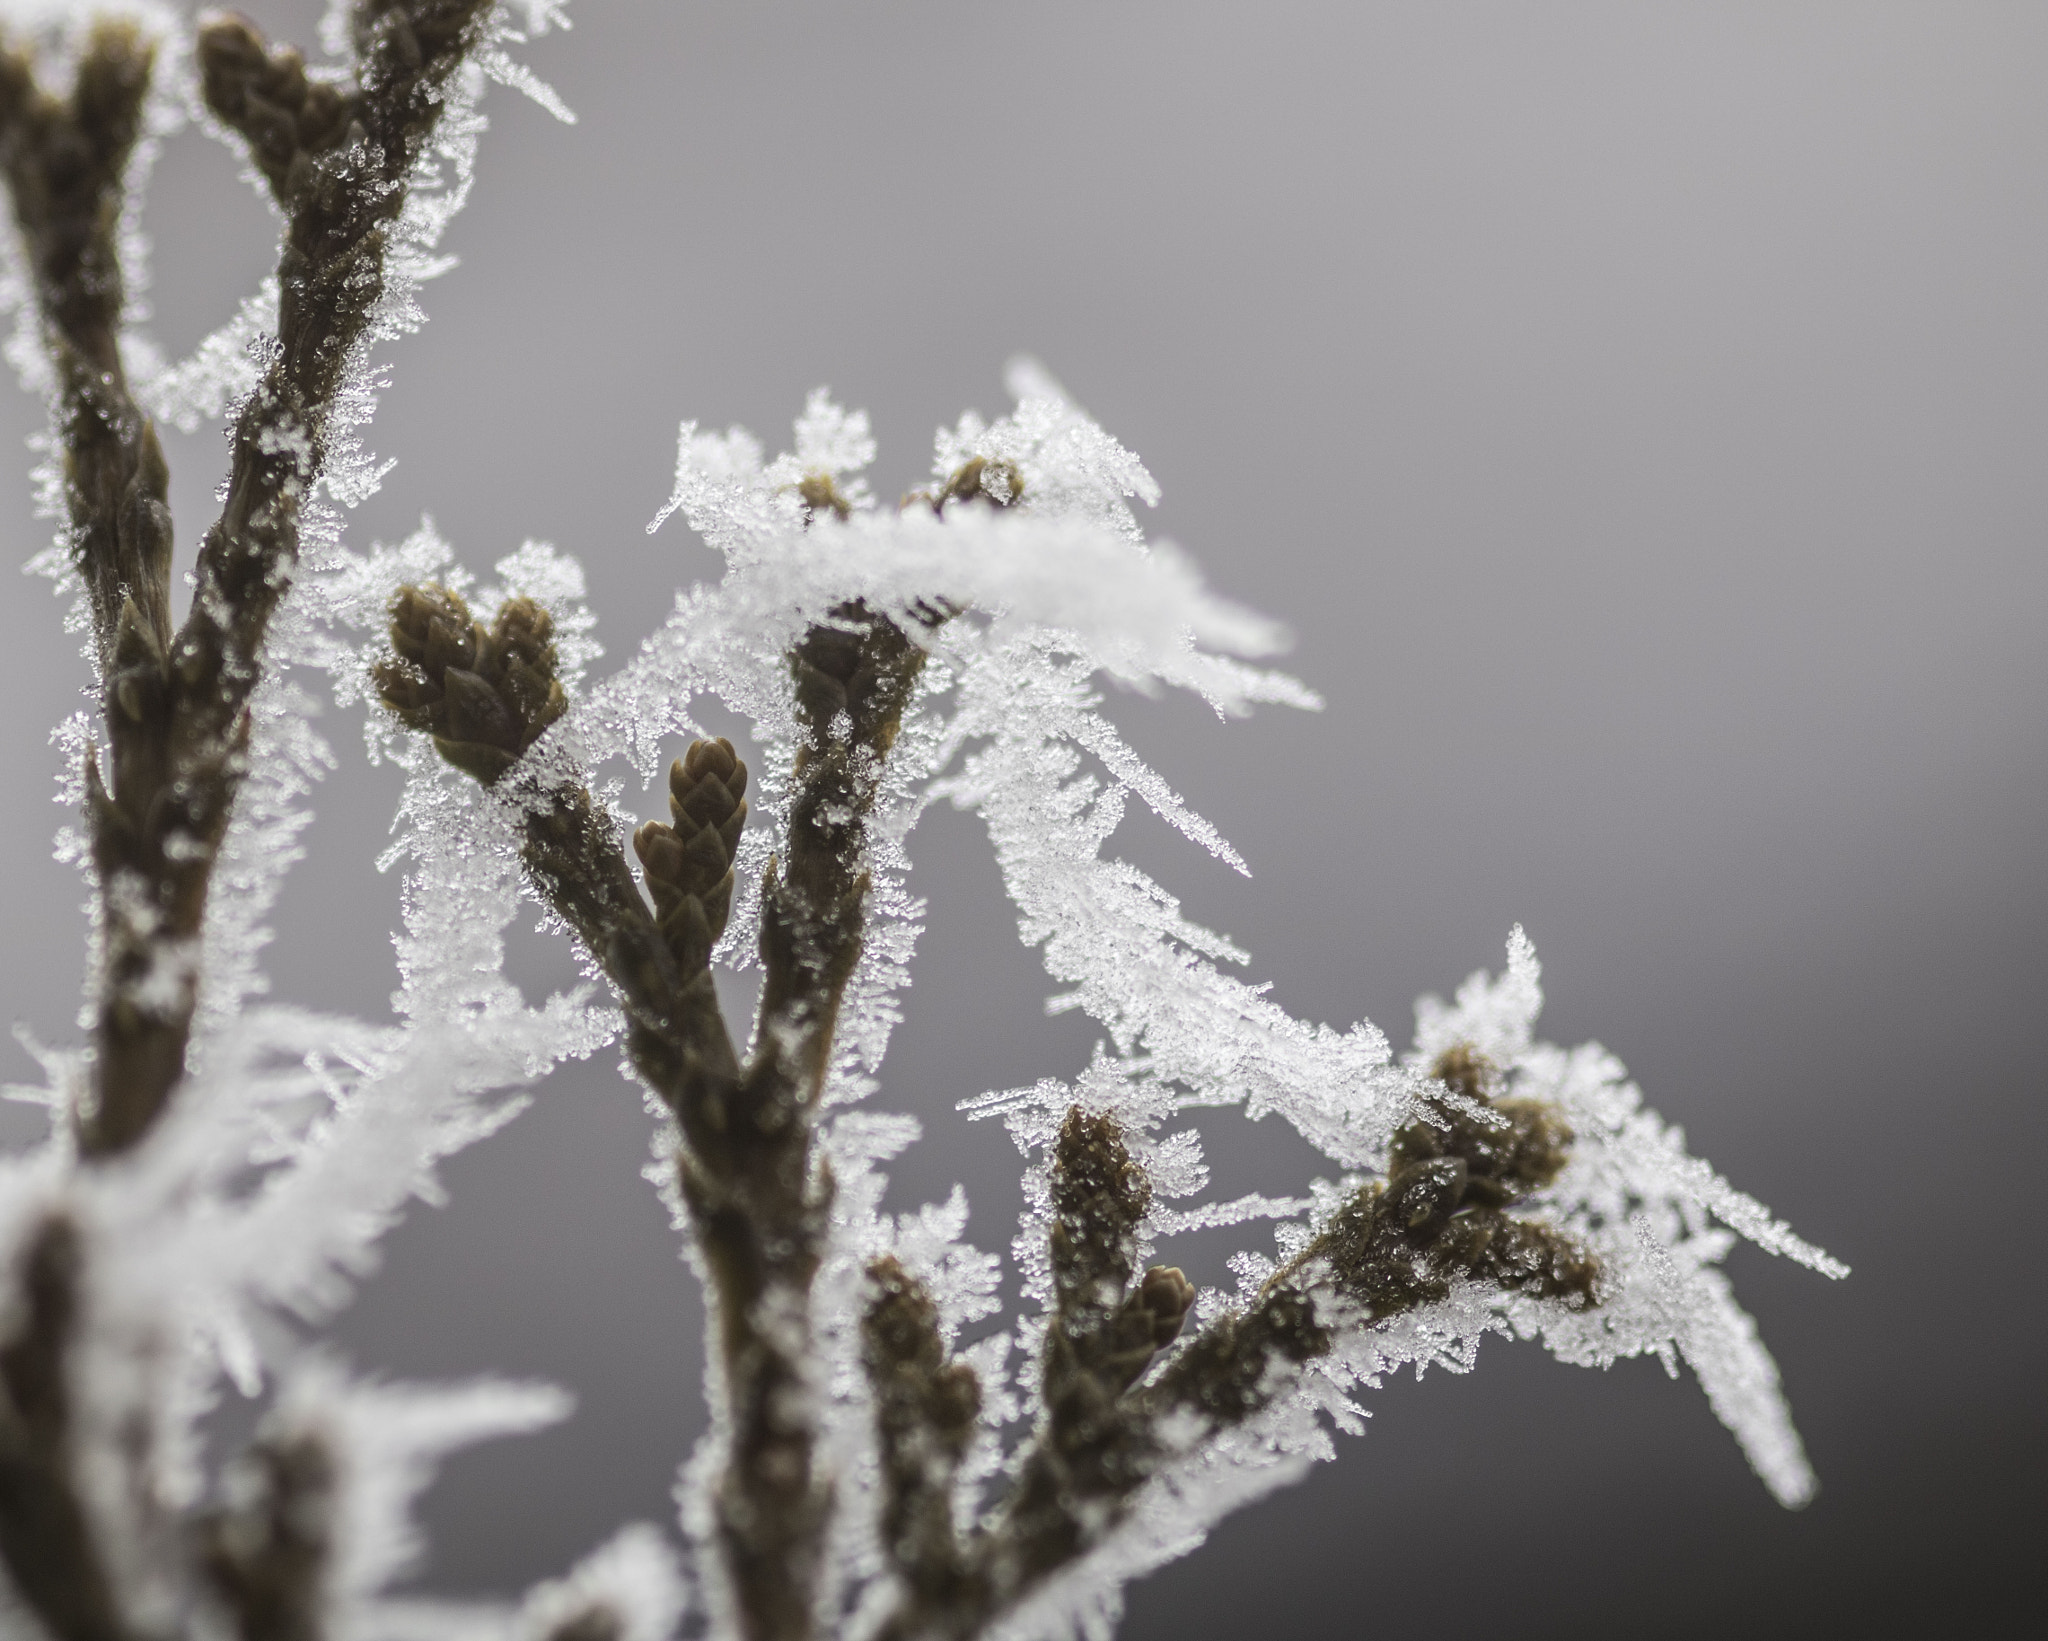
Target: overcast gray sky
1637, 413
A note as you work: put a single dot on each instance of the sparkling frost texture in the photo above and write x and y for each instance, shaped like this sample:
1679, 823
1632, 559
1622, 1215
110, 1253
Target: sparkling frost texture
218, 1245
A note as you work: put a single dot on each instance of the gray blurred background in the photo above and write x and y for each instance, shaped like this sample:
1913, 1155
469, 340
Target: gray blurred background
1637, 412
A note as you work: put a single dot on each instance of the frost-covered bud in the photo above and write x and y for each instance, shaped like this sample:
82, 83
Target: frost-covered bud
112, 77
925, 1411
1519, 1150
688, 864
263, 93
1420, 1198
1099, 1194
63, 160
1232, 1368
1149, 1321
485, 695
1377, 1244
863, 669
999, 483
819, 492
1437, 1218
1524, 1255
1104, 1337
522, 663
1165, 1296
906, 1359
432, 628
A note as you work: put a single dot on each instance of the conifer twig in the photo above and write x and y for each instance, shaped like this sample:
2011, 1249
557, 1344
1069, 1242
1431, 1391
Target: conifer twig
925, 1408
757, 1200
176, 723
1090, 1454
46, 1537
1436, 1220
176, 703
65, 161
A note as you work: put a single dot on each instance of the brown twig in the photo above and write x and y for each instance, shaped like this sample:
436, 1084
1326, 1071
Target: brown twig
1091, 1455
46, 1538
925, 1408
1438, 1219
267, 1555
65, 159
486, 694
176, 704
758, 1199
746, 1169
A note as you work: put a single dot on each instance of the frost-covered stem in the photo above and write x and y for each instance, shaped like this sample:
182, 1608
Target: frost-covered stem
925, 1408
267, 1556
177, 705
1099, 1339
675, 1033
1099, 1440
758, 1202
486, 695
1437, 1219
853, 680
1093, 1450
46, 1537
1102, 1441
760, 1224
65, 159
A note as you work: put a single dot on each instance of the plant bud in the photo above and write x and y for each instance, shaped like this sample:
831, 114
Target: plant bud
484, 695
688, 865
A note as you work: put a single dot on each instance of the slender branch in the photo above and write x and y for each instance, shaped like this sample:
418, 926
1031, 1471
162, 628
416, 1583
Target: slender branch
760, 1202
758, 1199
746, 1170
925, 1408
177, 727
1437, 1220
65, 159
486, 694
267, 1555
1091, 1454
175, 704
46, 1538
